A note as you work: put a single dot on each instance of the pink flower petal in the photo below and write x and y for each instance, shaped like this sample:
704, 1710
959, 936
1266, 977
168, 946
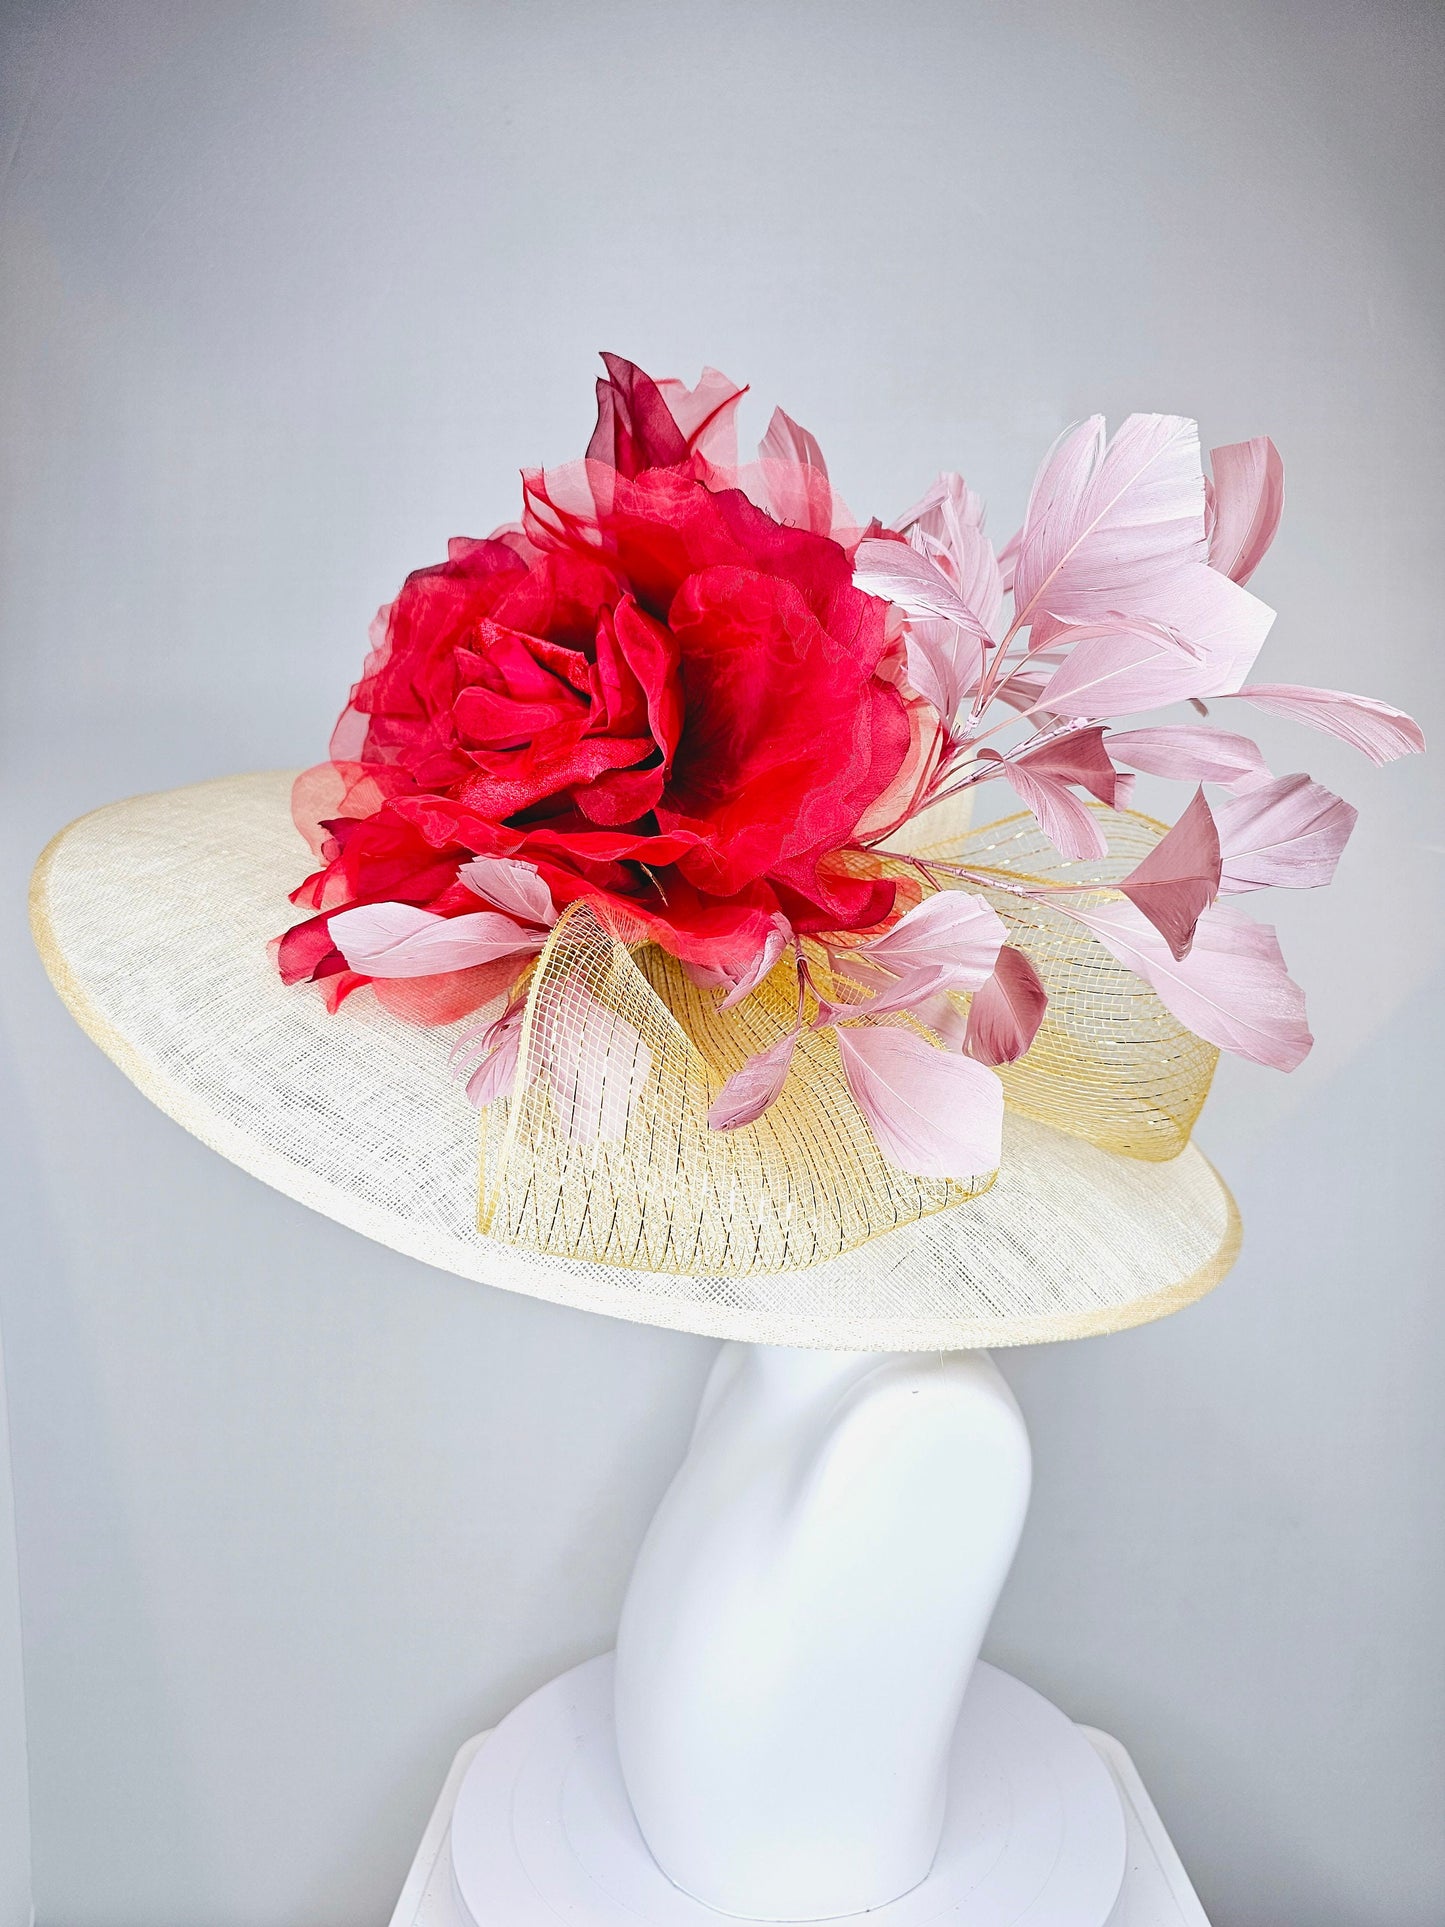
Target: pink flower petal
1289, 832
1103, 522
1004, 1016
705, 415
750, 1090
1179, 878
1232, 989
1380, 732
707, 976
935, 1114
795, 476
1190, 752
399, 940
513, 886
1242, 505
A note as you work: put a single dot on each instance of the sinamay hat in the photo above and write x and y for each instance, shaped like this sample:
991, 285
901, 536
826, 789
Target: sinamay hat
642, 833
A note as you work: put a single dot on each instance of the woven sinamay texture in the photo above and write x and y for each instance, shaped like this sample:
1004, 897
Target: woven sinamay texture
153, 917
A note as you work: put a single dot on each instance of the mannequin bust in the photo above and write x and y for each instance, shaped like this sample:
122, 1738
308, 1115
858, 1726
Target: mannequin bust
804, 1618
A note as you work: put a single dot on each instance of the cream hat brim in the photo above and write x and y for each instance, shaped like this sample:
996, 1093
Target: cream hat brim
152, 917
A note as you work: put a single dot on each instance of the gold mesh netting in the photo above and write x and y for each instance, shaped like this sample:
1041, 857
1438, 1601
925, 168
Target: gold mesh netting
604, 1152
1110, 1063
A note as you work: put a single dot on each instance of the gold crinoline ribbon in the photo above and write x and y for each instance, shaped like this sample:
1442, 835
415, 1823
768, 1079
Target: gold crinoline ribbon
604, 1152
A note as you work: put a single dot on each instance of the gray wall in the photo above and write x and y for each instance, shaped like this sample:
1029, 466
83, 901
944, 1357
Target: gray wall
290, 294
14, 1786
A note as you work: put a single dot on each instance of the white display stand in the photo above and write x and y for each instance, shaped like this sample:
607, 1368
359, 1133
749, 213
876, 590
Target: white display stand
1156, 1890
795, 1727
542, 1829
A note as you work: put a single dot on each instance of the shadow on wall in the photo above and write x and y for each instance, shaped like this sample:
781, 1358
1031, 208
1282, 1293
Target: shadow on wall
14, 1777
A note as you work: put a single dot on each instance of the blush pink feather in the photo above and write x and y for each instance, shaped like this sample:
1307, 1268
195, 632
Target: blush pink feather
933, 1113
1232, 989
1288, 833
1175, 884
1004, 1014
1243, 500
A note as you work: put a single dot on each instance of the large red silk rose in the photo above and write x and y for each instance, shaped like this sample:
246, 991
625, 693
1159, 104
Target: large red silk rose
653, 691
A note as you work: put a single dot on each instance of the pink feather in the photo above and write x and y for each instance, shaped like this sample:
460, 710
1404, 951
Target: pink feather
913, 990
1225, 623
1198, 636
1106, 522
952, 935
751, 1089
1008, 557
1179, 878
1117, 667
767, 954
1023, 689
1190, 753
1289, 832
1069, 824
894, 570
943, 1017
1079, 756
1242, 505
1374, 728
944, 662
496, 1074
934, 1113
949, 482
947, 526
1004, 1016
399, 940
512, 885
1232, 989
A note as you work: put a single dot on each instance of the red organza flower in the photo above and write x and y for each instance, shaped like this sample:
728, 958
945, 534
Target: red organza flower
652, 691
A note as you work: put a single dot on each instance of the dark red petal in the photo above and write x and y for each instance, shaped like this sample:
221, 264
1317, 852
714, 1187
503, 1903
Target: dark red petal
635, 429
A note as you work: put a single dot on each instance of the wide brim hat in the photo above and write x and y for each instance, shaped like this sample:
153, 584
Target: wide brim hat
153, 918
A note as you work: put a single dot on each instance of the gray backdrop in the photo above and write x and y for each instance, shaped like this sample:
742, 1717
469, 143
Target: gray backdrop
14, 1790
289, 293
